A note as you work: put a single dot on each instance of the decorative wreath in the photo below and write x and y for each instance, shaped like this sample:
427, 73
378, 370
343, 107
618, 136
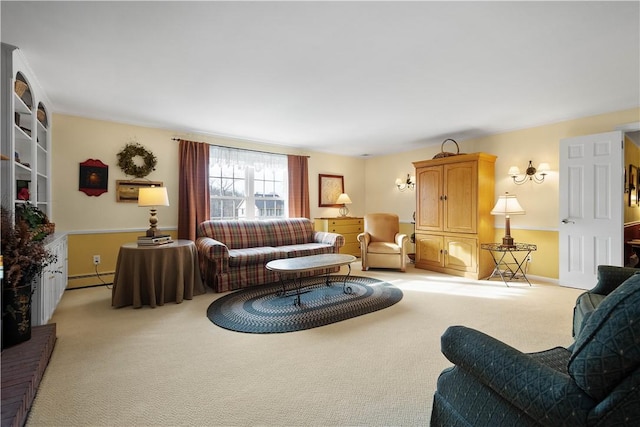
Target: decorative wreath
126, 163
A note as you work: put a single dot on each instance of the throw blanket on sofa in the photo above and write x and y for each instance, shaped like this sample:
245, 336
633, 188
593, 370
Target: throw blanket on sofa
233, 253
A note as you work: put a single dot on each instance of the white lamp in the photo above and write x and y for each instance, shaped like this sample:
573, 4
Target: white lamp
344, 200
507, 205
153, 196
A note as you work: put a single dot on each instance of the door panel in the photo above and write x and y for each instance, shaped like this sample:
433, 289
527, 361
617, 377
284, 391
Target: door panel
591, 214
461, 201
429, 250
461, 253
430, 189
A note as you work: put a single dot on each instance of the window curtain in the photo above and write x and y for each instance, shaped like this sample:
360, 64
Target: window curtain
238, 157
193, 192
298, 167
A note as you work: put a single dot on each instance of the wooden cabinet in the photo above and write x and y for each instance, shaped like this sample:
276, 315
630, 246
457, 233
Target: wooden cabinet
349, 227
454, 198
26, 135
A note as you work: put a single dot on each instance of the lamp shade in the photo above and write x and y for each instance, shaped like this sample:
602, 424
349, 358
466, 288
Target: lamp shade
507, 205
544, 168
343, 199
153, 196
514, 170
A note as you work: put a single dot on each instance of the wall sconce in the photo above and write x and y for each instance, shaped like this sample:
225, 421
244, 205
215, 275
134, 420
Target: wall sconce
344, 200
409, 183
531, 174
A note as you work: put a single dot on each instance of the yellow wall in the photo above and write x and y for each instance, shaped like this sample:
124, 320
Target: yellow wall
83, 246
541, 201
99, 225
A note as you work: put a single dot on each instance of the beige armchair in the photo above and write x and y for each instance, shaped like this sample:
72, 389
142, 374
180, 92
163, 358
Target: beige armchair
381, 244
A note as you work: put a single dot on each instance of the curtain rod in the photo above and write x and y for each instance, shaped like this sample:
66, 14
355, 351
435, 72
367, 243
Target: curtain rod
233, 148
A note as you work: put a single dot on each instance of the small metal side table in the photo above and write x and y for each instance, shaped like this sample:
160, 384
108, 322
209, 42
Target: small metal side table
507, 264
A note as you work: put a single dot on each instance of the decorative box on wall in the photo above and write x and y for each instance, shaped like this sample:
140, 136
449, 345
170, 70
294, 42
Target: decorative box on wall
349, 227
454, 198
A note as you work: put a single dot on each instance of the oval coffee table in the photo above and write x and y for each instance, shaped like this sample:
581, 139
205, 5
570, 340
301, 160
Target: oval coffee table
296, 266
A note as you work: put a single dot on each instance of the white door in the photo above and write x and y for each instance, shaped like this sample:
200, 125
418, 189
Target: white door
591, 206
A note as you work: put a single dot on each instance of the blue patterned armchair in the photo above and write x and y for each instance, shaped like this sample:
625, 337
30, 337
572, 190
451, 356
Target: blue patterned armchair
595, 382
609, 278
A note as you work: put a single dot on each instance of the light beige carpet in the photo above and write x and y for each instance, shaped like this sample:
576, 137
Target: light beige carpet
170, 366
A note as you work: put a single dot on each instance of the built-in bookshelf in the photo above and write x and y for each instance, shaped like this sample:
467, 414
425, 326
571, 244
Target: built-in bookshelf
26, 139
25, 168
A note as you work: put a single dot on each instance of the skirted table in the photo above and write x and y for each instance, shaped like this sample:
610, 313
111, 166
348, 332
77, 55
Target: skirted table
153, 275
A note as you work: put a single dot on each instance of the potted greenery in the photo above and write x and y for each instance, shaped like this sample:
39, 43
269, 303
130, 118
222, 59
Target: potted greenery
24, 258
36, 220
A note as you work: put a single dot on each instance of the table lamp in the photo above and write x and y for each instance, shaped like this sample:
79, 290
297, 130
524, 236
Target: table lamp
344, 200
153, 196
507, 205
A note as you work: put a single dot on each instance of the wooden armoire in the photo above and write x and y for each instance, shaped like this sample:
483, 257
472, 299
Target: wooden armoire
454, 198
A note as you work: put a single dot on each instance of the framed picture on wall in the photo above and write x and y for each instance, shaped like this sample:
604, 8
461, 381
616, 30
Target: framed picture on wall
330, 187
632, 179
127, 191
93, 178
636, 184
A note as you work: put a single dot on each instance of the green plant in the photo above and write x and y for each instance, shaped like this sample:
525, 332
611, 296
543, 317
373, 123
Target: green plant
34, 218
24, 255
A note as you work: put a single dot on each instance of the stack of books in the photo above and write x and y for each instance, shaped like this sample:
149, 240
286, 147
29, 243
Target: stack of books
160, 239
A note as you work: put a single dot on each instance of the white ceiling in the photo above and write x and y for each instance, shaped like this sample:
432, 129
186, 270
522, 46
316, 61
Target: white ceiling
353, 78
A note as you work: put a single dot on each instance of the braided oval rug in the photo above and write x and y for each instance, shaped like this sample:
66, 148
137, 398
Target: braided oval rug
263, 310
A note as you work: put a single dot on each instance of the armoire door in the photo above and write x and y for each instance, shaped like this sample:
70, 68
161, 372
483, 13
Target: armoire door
460, 191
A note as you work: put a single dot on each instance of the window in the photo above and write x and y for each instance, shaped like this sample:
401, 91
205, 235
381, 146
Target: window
247, 184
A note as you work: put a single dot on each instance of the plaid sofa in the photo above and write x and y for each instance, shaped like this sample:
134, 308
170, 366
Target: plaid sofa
233, 253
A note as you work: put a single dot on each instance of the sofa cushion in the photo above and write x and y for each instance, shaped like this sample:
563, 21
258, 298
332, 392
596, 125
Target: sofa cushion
383, 248
249, 256
306, 249
610, 277
608, 346
236, 234
585, 305
292, 231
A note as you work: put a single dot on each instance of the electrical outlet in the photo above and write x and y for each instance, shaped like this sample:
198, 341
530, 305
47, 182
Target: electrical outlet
529, 258
96, 259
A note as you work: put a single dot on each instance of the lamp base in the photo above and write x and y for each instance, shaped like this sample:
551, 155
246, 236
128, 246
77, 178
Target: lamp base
153, 223
507, 241
343, 211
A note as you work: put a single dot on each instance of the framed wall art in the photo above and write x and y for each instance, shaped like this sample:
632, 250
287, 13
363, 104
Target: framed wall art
330, 187
127, 191
632, 185
94, 177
